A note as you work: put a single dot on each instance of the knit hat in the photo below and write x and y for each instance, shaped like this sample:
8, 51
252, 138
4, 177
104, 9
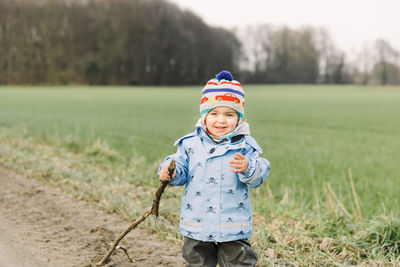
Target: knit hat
222, 91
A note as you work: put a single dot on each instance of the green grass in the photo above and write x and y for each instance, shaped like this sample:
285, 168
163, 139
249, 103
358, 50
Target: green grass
320, 140
305, 131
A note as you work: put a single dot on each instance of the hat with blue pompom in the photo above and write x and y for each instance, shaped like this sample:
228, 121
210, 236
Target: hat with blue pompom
223, 90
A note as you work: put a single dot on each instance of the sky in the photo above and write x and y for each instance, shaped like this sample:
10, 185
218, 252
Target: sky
352, 24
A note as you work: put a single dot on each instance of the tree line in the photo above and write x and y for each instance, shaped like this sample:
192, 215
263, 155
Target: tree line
109, 42
129, 42
278, 54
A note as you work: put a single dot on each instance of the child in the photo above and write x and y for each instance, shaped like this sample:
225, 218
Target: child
218, 162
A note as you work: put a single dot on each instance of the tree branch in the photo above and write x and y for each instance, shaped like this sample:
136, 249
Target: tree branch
153, 210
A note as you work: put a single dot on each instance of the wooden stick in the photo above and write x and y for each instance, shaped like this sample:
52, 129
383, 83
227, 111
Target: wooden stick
126, 253
153, 210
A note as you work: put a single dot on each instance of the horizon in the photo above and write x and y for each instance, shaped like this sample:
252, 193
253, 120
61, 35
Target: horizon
378, 19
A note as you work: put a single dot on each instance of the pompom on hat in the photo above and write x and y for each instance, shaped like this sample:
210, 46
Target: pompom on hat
223, 90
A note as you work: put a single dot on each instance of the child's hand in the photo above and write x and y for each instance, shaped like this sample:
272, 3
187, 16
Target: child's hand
240, 163
164, 173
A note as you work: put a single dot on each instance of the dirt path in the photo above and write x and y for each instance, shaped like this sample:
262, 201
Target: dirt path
40, 226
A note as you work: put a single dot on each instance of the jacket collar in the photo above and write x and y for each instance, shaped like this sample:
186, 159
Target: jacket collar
242, 130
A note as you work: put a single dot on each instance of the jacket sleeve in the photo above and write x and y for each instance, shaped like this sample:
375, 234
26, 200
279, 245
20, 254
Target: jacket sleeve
257, 171
182, 162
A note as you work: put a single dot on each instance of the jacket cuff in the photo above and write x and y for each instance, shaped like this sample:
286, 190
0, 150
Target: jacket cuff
173, 180
252, 172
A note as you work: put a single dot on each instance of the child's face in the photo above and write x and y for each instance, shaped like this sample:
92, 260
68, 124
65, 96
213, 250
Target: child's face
221, 121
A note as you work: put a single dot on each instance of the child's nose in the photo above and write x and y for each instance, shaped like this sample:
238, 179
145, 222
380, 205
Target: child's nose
221, 118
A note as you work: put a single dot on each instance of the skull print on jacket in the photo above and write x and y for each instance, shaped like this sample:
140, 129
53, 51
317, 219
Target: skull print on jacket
216, 204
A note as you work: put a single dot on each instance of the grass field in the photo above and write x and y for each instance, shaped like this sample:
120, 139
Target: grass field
320, 140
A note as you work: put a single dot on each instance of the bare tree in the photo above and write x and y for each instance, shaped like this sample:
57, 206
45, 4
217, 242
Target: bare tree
386, 68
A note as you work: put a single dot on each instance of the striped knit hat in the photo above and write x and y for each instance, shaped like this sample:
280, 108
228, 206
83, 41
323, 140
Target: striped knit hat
222, 91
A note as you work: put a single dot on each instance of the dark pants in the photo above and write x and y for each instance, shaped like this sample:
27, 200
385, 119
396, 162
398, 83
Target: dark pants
227, 254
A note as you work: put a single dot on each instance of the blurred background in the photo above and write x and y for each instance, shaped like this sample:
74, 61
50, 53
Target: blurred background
129, 42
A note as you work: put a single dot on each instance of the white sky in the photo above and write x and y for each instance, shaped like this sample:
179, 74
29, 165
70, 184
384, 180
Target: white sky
351, 23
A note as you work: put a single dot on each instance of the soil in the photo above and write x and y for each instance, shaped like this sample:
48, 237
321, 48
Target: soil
41, 226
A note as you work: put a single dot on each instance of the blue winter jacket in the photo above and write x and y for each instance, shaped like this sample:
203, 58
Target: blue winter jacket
216, 202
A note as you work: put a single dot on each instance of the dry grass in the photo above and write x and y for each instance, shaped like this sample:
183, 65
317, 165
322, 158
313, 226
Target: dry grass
288, 232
